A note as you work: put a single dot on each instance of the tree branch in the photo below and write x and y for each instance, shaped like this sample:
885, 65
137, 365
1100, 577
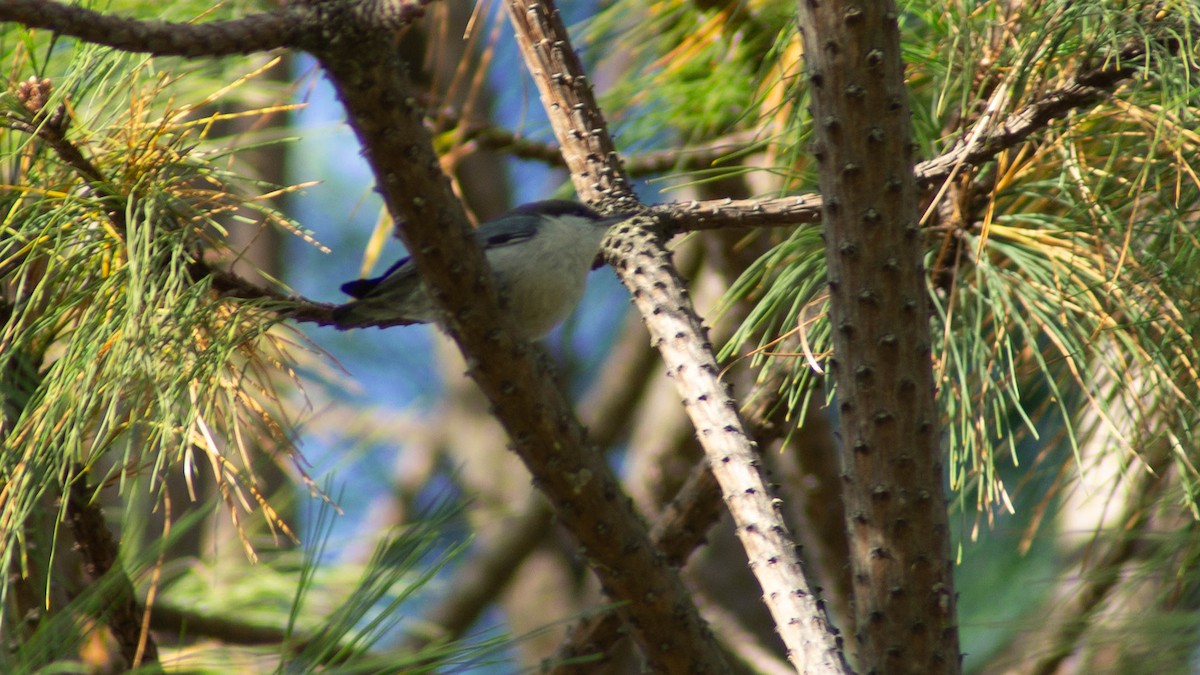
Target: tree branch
292, 307
179, 621
636, 250
587, 148
1084, 89
254, 33
902, 573
384, 112
650, 163
52, 129
121, 612
681, 528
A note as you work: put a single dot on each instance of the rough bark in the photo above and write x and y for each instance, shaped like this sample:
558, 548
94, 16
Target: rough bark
636, 250
389, 122
895, 506
121, 612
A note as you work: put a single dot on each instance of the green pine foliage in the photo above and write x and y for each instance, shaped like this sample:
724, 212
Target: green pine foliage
1062, 272
1055, 283
121, 362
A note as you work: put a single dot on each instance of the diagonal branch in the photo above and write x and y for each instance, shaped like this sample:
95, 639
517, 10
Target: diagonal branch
1084, 89
382, 109
586, 146
645, 266
636, 250
680, 529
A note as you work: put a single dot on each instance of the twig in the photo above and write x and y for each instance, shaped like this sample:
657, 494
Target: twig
52, 129
702, 156
715, 214
1084, 89
286, 306
636, 250
96, 545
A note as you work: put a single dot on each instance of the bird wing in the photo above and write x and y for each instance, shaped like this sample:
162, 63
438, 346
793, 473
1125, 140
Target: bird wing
499, 233
361, 288
505, 232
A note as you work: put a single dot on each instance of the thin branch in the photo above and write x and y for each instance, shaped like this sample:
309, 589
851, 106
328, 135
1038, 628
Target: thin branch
177, 621
716, 214
636, 250
1086, 88
292, 307
694, 158
702, 156
52, 129
587, 148
497, 138
254, 33
121, 612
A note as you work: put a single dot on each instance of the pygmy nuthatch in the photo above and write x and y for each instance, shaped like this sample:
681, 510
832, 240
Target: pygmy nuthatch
540, 253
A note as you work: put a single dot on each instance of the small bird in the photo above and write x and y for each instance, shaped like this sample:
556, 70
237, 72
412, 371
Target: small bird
540, 253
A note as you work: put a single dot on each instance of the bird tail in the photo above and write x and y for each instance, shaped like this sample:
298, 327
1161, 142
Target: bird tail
346, 316
359, 314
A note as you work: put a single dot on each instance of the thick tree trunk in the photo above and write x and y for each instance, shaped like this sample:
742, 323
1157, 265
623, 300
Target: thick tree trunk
895, 508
